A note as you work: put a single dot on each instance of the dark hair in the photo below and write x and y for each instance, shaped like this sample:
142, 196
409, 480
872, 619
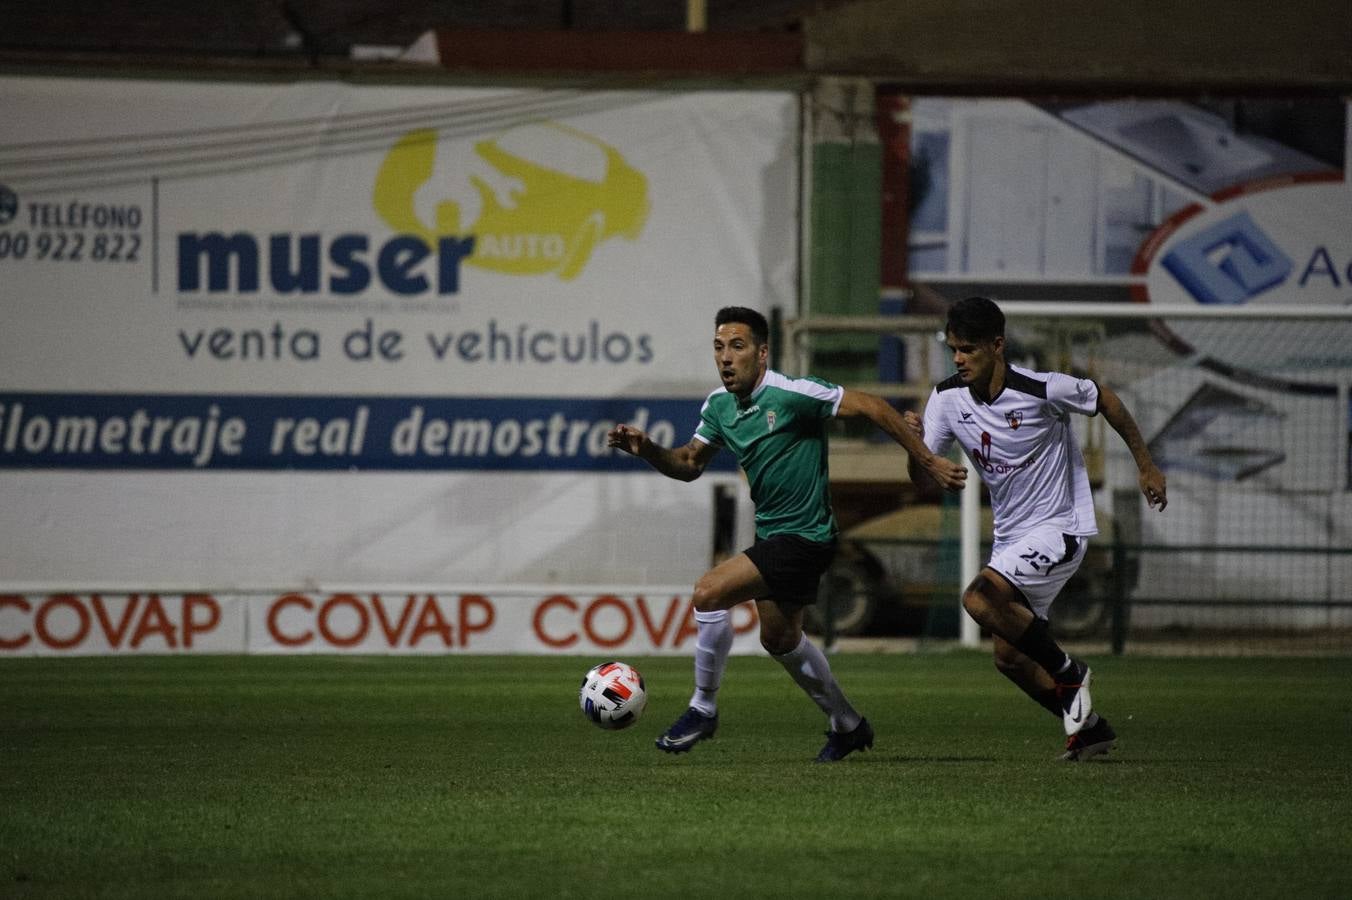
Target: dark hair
976, 319
760, 329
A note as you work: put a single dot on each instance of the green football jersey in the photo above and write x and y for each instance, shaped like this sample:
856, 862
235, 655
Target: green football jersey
779, 438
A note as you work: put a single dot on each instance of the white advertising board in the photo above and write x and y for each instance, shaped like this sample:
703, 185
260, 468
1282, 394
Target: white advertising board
272, 334
540, 620
1238, 209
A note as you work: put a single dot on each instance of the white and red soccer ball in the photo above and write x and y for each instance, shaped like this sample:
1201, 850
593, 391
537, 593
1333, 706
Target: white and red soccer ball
612, 695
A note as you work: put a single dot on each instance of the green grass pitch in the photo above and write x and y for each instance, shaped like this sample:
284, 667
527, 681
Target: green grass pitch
479, 777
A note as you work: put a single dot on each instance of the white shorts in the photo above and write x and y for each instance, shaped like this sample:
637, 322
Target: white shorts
1039, 563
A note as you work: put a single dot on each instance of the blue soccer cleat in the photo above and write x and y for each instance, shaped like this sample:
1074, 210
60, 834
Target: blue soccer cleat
840, 745
692, 727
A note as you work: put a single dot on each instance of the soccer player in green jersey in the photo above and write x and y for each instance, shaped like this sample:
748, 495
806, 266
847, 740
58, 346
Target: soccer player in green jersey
776, 427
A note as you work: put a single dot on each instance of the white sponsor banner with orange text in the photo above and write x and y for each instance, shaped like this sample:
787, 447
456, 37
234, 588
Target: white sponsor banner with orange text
550, 620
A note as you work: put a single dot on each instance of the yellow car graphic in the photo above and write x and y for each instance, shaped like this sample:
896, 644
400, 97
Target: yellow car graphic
546, 196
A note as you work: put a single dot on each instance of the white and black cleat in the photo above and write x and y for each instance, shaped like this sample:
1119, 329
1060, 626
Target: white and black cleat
1076, 704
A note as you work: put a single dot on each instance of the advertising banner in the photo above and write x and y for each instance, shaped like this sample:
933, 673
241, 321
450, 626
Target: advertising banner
1236, 211
228, 243
632, 621
259, 334
1241, 200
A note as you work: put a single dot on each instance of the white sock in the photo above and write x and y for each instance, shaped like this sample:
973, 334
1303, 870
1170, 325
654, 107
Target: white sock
807, 665
713, 642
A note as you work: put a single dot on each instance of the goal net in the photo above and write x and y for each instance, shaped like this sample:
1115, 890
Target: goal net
1246, 411
1248, 417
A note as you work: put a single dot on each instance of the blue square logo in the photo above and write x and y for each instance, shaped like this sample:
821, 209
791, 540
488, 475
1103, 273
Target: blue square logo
1229, 262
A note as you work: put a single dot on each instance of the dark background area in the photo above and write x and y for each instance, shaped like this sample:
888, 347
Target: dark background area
331, 27
992, 47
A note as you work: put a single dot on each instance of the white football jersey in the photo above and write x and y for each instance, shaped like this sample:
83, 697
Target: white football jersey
1023, 446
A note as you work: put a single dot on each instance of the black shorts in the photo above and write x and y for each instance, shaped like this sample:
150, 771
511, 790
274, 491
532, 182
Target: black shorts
792, 566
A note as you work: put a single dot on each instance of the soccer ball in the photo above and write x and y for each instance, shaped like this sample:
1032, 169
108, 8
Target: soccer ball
612, 695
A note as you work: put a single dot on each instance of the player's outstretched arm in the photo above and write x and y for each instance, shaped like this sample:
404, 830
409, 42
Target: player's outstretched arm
1150, 477
917, 426
682, 463
950, 475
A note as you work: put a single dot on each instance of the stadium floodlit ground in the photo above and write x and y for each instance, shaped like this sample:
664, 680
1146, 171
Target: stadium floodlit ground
479, 777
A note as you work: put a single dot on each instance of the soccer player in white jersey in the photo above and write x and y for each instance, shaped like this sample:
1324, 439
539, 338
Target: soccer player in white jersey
1014, 424
776, 427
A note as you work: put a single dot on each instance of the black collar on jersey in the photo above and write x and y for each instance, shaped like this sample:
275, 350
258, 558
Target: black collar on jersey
1015, 381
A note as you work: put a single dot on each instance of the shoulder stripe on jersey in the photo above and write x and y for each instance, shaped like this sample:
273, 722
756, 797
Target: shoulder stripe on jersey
807, 387
804, 386
1017, 381
709, 399
952, 381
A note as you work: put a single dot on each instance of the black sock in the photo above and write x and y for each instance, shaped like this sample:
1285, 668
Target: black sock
1037, 644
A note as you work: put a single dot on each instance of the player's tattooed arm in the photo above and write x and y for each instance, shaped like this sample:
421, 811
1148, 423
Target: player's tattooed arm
950, 475
917, 427
1117, 415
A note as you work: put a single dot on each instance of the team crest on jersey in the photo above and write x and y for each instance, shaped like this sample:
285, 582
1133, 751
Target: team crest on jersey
770, 419
1015, 418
